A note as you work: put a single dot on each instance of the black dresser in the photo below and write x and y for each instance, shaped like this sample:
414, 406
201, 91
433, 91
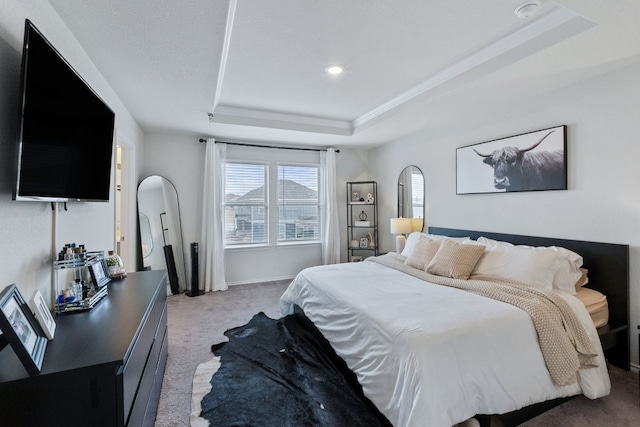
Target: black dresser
104, 367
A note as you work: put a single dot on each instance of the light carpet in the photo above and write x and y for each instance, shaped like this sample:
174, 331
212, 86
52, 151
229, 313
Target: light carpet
195, 323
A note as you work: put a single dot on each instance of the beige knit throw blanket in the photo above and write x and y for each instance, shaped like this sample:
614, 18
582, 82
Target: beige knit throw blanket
564, 343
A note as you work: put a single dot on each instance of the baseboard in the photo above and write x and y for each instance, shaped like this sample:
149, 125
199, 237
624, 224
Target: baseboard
253, 282
634, 367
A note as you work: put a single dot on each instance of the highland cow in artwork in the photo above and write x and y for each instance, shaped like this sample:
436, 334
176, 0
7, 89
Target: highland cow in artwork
516, 169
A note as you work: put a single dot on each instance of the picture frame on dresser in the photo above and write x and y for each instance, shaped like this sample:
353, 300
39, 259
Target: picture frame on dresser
99, 273
42, 314
20, 330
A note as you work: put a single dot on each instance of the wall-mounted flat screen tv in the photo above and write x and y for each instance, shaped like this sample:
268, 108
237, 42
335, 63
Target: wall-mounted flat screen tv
66, 134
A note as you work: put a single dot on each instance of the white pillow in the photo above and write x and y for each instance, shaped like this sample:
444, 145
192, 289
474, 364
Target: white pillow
530, 266
567, 264
569, 272
413, 239
423, 252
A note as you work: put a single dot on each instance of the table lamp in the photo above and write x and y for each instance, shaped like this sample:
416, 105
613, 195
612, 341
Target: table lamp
400, 227
417, 224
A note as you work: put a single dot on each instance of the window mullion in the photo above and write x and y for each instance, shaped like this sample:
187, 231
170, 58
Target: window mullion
273, 204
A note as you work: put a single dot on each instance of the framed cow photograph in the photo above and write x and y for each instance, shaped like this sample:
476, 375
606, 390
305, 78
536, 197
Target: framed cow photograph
533, 161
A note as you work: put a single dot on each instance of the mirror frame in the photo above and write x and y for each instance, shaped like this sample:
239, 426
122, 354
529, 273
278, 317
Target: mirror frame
177, 247
400, 186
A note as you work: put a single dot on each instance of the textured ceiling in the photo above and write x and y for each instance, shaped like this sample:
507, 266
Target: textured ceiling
254, 69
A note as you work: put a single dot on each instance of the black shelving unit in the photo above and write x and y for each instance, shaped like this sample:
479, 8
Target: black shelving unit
362, 220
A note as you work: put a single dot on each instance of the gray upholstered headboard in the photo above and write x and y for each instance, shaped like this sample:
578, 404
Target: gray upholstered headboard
608, 266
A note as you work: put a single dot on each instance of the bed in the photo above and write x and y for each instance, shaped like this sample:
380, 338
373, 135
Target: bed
427, 354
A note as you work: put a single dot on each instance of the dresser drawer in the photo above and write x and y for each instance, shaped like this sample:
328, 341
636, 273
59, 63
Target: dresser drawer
135, 364
141, 404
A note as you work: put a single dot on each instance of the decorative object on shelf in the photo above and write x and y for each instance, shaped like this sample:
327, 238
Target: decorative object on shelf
116, 266
19, 329
354, 244
356, 258
400, 227
362, 216
362, 223
370, 198
372, 242
42, 314
355, 196
528, 162
364, 243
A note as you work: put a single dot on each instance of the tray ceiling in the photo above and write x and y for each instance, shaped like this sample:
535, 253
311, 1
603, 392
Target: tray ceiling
255, 70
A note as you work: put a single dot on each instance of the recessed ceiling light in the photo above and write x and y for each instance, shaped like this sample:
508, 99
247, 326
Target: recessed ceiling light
334, 69
527, 9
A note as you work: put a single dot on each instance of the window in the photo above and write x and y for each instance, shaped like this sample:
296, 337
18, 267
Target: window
417, 191
246, 212
298, 203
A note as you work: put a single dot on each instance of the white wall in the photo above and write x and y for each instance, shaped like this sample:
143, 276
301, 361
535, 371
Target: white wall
29, 243
603, 199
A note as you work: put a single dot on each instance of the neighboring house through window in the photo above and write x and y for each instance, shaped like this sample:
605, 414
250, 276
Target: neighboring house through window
298, 203
248, 202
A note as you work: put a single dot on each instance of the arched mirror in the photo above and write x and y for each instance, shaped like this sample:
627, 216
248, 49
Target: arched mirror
160, 230
411, 196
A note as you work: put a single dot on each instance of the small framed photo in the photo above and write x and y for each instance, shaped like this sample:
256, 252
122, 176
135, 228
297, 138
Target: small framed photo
21, 331
43, 315
356, 258
355, 196
364, 243
99, 273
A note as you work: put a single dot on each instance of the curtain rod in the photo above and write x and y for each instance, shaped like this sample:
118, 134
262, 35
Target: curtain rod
268, 146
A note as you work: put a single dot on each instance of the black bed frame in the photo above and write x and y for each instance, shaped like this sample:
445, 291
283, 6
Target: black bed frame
608, 266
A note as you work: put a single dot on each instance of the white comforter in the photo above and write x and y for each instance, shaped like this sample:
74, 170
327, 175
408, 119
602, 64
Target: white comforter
430, 355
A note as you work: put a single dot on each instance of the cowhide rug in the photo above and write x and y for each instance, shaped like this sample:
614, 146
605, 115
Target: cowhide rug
279, 372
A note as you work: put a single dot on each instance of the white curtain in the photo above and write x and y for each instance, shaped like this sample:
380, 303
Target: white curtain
211, 248
329, 212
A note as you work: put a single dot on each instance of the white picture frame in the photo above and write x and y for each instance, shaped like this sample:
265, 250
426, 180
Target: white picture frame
42, 314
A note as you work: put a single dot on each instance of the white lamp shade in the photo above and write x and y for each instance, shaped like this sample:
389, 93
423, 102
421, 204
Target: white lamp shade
417, 224
400, 225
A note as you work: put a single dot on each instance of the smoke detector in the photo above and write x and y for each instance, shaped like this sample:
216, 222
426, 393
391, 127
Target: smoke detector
527, 9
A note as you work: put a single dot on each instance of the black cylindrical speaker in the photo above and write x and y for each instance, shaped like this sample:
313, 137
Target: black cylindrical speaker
195, 288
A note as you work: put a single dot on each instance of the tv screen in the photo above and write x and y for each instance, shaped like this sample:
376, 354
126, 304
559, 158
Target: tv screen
66, 134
